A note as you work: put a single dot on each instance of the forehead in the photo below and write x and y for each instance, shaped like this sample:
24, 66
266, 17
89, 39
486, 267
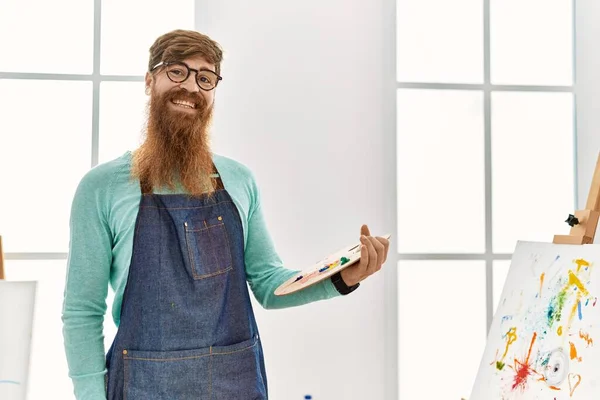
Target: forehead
198, 62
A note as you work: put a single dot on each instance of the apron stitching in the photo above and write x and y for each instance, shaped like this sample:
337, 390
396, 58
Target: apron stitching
210, 374
187, 240
166, 359
125, 377
199, 277
207, 227
228, 248
211, 353
186, 208
236, 351
212, 246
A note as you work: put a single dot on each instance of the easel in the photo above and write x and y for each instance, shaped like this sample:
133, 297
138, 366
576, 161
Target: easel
1, 260
584, 222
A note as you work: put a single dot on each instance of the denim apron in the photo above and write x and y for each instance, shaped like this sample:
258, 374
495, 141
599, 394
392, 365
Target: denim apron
187, 327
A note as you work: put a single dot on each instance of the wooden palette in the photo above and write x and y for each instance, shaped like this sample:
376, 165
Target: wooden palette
323, 269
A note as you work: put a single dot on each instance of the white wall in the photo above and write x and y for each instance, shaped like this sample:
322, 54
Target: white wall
304, 103
587, 94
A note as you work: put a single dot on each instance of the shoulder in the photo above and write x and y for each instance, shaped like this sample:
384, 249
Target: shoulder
236, 174
100, 178
232, 168
239, 180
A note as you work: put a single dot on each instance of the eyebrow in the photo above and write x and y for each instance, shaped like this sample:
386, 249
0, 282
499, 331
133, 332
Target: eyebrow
202, 68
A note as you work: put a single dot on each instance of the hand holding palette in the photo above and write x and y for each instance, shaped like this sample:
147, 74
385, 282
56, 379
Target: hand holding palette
323, 269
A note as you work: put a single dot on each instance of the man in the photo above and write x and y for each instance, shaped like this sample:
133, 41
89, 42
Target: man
178, 231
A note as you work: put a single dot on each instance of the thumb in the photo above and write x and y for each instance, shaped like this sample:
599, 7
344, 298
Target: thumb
364, 230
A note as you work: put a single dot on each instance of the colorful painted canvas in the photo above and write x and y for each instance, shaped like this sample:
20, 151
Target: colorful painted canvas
541, 344
17, 300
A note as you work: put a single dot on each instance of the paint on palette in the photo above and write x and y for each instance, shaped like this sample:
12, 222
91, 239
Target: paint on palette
324, 268
541, 342
9, 382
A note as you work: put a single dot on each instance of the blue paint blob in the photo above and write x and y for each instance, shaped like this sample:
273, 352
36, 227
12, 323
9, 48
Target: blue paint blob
506, 318
550, 312
10, 382
586, 302
579, 310
546, 360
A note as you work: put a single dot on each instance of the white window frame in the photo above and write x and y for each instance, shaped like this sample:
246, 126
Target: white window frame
96, 78
391, 85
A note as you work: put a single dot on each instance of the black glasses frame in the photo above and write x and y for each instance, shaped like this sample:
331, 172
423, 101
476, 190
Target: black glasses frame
189, 70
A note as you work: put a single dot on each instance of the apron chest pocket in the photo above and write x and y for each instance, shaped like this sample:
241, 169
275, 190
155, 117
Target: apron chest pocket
208, 247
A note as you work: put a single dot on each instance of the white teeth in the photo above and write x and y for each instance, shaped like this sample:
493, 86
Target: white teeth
184, 103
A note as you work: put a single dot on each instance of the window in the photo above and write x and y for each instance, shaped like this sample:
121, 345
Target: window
485, 157
67, 93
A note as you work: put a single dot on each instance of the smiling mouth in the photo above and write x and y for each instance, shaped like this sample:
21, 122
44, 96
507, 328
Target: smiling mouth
184, 104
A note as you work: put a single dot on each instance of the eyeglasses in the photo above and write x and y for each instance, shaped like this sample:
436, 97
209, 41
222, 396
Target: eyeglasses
179, 71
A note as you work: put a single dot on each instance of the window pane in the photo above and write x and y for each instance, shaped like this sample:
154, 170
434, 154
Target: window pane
440, 41
500, 269
441, 307
531, 42
48, 362
47, 36
532, 166
44, 152
122, 117
125, 50
440, 171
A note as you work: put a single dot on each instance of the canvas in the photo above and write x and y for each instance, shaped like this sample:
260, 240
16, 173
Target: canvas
17, 300
541, 342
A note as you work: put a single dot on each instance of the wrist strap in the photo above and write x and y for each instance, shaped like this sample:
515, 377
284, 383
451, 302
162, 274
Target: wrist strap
341, 286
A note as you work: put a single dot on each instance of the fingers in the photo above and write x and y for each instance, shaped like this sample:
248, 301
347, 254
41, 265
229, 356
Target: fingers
364, 230
370, 265
386, 247
373, 253
364, 254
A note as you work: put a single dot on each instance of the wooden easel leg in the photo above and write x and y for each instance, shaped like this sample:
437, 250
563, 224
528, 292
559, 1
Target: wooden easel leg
584, 222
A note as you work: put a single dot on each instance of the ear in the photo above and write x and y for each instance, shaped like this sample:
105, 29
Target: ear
148, 81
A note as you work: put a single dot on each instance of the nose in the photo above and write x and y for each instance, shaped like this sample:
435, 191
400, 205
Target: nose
190, 84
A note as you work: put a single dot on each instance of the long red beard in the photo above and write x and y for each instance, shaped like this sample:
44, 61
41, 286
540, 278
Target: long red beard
176, 149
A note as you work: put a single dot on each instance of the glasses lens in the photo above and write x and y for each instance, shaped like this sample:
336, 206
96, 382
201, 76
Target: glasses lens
177, 72
206, 79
